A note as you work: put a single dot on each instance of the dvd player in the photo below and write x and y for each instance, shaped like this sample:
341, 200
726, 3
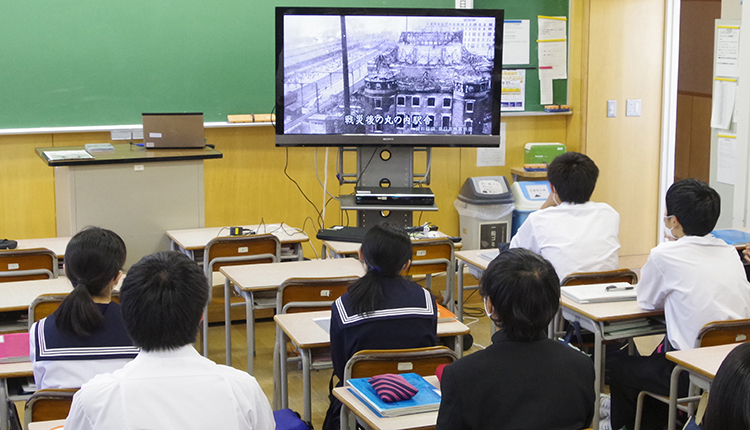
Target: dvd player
394, 196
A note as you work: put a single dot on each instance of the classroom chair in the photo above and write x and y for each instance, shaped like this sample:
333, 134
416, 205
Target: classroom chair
46, 304
48, 404
305, 295
712, 334
431, 257
27, 264
371, 362
232, 251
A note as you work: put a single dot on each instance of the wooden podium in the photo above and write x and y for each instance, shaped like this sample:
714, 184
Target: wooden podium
137, 193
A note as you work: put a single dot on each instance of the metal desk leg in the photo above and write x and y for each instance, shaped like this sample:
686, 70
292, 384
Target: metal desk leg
458, 345
323, 252
284, 378
306, 355
277, 369
598, 369
227, 322
4, 409
250, 325
204, 335
673, 382
298, 250
458, 308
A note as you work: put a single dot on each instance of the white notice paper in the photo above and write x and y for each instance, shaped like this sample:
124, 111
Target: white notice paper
493, 156
553, 59
513, 90
516, 41
724, 97
728, 51
552, 27
545, 91
725, 171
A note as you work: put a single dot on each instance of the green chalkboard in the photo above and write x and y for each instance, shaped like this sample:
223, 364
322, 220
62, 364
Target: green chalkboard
104, 62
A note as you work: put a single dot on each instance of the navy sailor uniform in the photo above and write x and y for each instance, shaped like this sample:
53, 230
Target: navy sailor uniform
407, 318
64, 360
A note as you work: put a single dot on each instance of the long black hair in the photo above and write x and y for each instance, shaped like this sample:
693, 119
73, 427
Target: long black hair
728, 404
93, 259
386, 248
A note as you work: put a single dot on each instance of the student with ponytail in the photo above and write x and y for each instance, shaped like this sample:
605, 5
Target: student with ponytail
85, 336
381, 310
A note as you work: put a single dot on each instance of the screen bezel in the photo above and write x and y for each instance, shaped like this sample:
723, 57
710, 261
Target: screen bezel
407, 140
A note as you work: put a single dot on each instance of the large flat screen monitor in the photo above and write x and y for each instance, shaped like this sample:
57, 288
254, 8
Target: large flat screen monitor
398, 77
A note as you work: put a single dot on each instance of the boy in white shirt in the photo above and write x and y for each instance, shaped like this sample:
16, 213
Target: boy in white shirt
573, 233
696, 279
168, 385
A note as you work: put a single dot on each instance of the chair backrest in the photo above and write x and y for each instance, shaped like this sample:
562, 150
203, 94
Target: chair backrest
48, 404
310, 294
723, 332
232, 251
584, 278
432, 256
46, 304
422, 361
27, 264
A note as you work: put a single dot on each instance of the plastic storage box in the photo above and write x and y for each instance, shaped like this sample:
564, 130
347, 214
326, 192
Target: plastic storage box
485, 209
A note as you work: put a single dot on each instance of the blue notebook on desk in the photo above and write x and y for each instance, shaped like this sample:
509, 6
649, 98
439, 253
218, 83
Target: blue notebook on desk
732, 237
427, 398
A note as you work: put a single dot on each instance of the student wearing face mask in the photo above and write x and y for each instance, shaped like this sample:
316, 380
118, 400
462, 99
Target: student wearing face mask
572, 232
696, 279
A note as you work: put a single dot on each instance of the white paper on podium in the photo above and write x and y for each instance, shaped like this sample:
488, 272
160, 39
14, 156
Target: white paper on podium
493, 156
728, 51
513, 95
516, 41
725, 171
724, 97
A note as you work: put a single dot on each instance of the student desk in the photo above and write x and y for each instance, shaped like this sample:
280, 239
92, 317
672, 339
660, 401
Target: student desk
340, 249
702, 365
250, 278
193, 241
595, 317
54, 244
47, 425
477, 264
302, 329
7, 371
425, 420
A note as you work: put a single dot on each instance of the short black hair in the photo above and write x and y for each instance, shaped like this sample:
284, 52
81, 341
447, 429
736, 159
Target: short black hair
574, 176
162, 299
728, 406
524, 290
695, 205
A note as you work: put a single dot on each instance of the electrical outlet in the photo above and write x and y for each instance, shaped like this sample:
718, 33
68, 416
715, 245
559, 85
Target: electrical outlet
633, 107
611, 108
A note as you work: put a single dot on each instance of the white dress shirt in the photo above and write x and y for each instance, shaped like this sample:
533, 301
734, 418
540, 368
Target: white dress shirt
573, 237
696, 279
177, 389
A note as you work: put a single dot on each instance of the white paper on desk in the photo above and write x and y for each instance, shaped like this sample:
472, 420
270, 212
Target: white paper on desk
545, 91
67, 155
728, 51
725, 171
324, 323
513, 96
516, 41
553, 59
493, 156
552, 27
724, 97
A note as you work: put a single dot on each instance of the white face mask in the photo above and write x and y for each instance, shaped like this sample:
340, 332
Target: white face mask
485, 309
555, 200
669, 234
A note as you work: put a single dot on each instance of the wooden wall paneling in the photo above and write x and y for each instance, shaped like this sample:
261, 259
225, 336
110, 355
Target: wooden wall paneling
700, 141
578, 74
26, 188
625, 62
683, 135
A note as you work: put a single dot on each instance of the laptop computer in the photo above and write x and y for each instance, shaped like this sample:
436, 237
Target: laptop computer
173, 130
